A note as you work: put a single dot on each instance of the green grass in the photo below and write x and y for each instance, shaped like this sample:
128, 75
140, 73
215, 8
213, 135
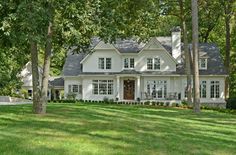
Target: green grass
115, 129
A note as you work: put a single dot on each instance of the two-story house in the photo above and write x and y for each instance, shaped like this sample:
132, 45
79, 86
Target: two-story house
128, 70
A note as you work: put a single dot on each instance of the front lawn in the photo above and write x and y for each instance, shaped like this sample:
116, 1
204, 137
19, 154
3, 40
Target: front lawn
115, 129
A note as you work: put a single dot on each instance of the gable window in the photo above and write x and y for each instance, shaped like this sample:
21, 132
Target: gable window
202, 63
77, 89
128, 63
153, 63
215, 89
101, 63
102, 87
108, 63
104, 63
203, 89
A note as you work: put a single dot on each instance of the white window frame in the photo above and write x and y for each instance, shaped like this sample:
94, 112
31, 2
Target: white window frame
203, 89
201, 62
104, 65
102, 87
215, 89
127, 63
153, 64
72, 88
157, 89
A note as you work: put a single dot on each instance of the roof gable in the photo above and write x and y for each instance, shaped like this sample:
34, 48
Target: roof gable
154, 44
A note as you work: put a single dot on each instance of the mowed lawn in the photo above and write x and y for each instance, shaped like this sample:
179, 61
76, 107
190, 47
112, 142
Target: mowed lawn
115, 129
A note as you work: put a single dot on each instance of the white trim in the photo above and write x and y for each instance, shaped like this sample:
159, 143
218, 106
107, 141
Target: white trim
154, 49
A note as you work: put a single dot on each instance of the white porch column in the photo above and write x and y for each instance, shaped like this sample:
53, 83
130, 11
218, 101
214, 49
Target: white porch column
118, 87
138, 95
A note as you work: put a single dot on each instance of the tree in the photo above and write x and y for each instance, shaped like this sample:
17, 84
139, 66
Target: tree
194, 6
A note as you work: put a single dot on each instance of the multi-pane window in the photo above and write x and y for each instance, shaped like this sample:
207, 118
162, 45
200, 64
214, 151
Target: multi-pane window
102, 87
157, 89
108, 63
202, 63
104, 63
203, 89
75, 89
149, 64
153, 63
129, 63
215, 89
157, 64
101, 63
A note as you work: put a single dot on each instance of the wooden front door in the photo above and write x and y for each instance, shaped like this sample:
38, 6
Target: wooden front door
129, 89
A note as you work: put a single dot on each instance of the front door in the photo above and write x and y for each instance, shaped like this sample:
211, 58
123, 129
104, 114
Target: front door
129, 89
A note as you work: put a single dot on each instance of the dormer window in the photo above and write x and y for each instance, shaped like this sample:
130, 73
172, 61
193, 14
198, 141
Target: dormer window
129, 63
153, 63
202, 63
104, 63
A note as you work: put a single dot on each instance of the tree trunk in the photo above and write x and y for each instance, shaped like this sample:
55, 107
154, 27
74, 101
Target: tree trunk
186, 53
227, 10
194, 5
37, 108
46, 69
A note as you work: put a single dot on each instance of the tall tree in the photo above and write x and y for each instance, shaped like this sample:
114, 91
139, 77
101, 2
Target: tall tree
228, 13
194, 6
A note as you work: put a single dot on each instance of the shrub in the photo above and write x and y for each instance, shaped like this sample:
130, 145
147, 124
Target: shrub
161, 103
71, 96
167, 104
138, 99
173, 104
231, 103
105, 99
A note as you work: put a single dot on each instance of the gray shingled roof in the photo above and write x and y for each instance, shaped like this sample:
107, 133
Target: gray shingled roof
215, 62
56, 81
128, 46
72, 66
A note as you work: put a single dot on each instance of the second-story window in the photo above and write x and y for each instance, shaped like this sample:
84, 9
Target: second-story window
153, 64
202, 63
104, 63
128, 63
101, 63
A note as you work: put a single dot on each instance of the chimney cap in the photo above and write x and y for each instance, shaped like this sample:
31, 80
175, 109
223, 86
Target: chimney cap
176, 29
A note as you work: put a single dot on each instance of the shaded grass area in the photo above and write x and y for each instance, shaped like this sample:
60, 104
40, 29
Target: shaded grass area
115, 129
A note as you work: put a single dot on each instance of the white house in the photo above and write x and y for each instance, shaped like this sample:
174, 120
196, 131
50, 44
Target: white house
56, 84
128, 70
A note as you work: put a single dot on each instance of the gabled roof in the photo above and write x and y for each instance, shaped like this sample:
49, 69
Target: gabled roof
72, 66
215, 64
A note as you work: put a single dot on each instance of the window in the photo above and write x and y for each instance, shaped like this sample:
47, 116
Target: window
157, 89
153, 63
101, 63
157, 64
215, 89
202, 63
108, 63
102, 87
104, 63
203, 89
129, 63
75, 89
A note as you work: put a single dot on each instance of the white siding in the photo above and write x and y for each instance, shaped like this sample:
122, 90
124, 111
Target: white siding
167, 63
91, 63
72, 81
87, 88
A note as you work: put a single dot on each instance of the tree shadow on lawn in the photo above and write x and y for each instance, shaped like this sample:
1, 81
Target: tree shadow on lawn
124, 128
